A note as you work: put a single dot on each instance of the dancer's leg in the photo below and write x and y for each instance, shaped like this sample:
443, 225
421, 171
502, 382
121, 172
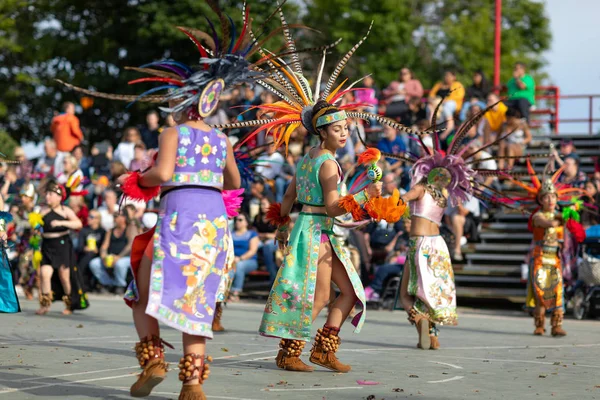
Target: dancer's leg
144, 324
323, 284
343, 304
45, 274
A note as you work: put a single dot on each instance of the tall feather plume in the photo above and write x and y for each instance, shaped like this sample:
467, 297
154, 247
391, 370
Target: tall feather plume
154, 72
381, 120
320, 75
434, 116
263, 27
273, 90
244, 124
225, 29
342, 64
291, 45
210, 42
304, 50
112, 96
495, 142
468, 124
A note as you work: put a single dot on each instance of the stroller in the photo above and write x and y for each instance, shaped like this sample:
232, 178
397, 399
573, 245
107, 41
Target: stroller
584, 295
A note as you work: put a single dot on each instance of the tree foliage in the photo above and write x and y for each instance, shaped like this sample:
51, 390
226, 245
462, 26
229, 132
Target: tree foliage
430, 35
89, 43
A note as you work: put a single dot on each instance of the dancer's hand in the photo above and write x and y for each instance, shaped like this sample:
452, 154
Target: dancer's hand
374, 189
282, 238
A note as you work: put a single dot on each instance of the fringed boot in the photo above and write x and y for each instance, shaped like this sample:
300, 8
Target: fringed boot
67, 300
193, 366
150, 354
216, 325
556, 321
540, 321
45, 303
422, 324
289, 354
433, 336
327, 343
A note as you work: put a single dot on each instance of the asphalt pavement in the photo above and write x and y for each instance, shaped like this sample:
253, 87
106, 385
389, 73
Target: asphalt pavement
491, 354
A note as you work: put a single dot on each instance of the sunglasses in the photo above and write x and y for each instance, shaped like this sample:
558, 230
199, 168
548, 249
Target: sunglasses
92, 216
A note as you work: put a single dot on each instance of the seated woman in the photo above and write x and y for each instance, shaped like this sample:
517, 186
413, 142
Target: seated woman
113, 264
515, 144
245, 246
266, 235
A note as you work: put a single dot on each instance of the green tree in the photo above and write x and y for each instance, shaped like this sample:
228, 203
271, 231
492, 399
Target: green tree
430, 35
88, 46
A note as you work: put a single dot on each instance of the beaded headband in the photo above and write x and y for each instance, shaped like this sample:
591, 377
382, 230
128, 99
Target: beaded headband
331, 118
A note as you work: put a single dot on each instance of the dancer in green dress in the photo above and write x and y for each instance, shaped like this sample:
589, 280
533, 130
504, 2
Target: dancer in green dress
313, 256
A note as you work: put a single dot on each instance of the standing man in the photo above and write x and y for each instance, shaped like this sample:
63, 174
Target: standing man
65, 129
521, 90
151, 130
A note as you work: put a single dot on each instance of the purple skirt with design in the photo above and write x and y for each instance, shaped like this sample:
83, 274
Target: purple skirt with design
191, 260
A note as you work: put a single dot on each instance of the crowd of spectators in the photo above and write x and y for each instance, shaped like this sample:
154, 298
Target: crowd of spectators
109, 224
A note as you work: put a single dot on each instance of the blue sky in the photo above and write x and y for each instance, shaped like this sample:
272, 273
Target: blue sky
573, 61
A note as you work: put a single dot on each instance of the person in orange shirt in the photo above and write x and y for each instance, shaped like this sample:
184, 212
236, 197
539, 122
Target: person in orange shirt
65, 129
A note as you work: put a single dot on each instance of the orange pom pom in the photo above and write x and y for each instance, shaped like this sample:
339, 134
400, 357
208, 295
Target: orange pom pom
369, 156
390, 209
274, 216
350, 204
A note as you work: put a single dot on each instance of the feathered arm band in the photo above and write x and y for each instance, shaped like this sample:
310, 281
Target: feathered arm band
353, 203
576, 230
274, 216
233, 201
131, 188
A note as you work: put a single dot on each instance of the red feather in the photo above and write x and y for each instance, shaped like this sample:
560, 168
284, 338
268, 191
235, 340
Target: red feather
239, 41
168, 80
202, 50
274, 216
132, 189
369, 156
576, 230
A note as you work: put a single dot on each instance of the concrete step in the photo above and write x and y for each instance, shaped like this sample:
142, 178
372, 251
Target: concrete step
504, 217
496, 257
487, 279
491, 236
487, 270
514, 295
505, 226
501, 247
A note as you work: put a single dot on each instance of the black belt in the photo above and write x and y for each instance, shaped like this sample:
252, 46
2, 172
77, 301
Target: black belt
165, 192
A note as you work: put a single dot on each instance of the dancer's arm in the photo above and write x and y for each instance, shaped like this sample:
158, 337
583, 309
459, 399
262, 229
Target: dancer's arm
163, 169
289, 198
232, 179
416, 193
105, 244
542, 222
329, 176
72, 222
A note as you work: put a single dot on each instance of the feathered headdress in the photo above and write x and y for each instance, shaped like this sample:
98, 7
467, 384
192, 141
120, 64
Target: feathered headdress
295, 108
224, 61
548, 184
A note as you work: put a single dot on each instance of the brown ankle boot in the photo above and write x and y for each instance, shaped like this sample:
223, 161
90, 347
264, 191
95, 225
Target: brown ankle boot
67, 300
327, 343
289, 354
422, 324
540, 321
216, 325
189, 370
150, 354
45, 303
556, 321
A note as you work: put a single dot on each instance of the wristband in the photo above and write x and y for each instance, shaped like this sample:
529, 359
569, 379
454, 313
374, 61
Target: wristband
361, 197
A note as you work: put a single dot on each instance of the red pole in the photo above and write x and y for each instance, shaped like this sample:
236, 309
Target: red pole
497, 41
